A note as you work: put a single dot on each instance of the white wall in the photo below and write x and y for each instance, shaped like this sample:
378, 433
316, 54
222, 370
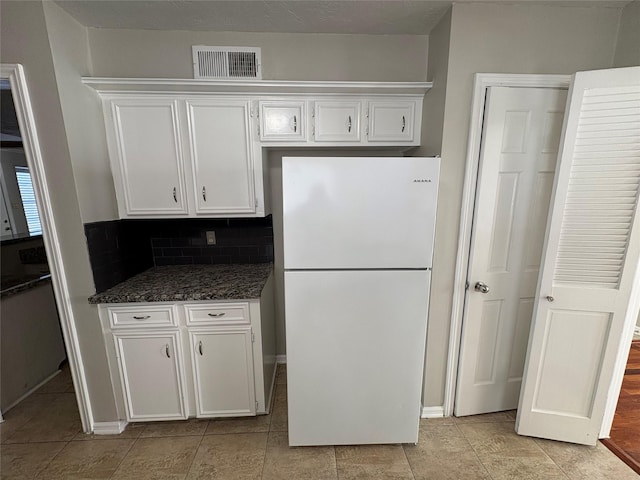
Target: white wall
82, 114
491, 38
434, 102
628, 43
153, 53
24, 40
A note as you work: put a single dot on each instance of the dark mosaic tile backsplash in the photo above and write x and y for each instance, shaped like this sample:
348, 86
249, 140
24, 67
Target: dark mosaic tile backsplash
120, 249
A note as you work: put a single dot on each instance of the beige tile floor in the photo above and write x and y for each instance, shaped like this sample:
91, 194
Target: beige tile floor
42, 438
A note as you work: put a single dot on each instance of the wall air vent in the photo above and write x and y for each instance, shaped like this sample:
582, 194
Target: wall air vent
239, 63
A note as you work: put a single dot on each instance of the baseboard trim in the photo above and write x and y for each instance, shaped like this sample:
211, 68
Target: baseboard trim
281, 359
29, 392
109, 428
432, 412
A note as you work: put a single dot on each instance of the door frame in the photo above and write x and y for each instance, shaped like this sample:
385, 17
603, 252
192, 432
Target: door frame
35, 161
482, 82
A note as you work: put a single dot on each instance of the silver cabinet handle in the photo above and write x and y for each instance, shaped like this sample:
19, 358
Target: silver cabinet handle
349, 124
481, 287
216, 314
200, 347
175, 195
550, 298
404, 123
204, 194
295, 123
166, 350
141, 317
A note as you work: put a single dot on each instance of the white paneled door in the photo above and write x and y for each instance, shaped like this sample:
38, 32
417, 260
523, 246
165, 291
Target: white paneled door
589, 293
521, 134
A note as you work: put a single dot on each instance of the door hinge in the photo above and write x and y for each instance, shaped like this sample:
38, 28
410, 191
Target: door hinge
253, 337
466, 285
255, 203
258, 127
256, 405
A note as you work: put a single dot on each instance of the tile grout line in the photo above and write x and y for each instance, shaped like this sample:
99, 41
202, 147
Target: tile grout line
264, 458
473, 450
196, 452
124, 456
413, 474
535, 441
49, 462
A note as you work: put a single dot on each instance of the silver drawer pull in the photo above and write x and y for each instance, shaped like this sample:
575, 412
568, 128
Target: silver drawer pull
166, 350
200, 347
349, 124
216, 314
404, 123
175, 195
141, 317
295, 124
204, 194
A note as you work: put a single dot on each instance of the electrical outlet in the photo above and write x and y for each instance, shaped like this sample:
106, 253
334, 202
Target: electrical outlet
211, 238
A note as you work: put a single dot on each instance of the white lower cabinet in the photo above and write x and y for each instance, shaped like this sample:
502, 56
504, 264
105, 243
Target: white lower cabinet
151, 374
223, 371
171, 361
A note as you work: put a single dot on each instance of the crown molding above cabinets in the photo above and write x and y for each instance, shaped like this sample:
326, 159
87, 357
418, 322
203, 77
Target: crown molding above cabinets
254, 87
193, 148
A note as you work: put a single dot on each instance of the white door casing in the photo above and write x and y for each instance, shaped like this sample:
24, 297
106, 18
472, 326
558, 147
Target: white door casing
520, 143
584, 310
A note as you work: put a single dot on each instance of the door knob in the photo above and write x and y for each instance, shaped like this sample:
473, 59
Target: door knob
550, 298
481, 287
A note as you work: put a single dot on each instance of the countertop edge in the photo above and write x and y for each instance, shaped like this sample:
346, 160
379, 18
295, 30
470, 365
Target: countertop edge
22, 287
256, 284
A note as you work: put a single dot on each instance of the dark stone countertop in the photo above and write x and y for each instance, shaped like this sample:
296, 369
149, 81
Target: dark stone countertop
190, 282
13, 284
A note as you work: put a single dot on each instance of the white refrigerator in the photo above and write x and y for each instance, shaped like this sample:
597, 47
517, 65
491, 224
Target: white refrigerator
358, 240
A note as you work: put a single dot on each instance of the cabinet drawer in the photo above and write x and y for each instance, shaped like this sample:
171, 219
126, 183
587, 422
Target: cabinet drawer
227, 313
143, 317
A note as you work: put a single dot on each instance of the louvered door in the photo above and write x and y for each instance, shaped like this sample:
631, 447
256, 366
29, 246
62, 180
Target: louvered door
587, 297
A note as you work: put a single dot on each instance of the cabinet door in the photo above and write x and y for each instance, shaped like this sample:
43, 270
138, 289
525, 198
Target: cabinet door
151, 374
391, 121
223, 371
282, 121
337, 121
148, 158
222, 157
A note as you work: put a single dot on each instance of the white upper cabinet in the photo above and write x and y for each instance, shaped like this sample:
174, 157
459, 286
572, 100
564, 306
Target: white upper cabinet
391, 120
177, 156
222, 158
198, 153
147, 156
336, 121
282, 120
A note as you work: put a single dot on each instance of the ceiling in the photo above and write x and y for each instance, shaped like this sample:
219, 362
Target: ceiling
378, 17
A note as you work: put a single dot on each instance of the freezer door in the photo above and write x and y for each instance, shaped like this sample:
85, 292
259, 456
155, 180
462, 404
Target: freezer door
356, 212
355, 355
